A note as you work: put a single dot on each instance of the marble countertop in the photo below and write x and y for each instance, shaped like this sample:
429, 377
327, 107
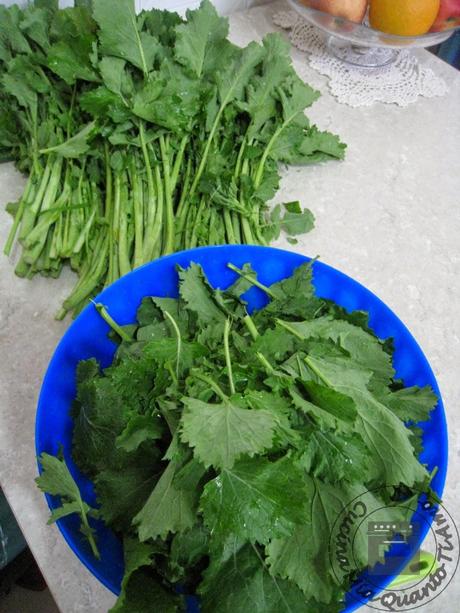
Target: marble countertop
388, 216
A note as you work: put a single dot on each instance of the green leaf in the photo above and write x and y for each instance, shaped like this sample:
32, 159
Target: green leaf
235, 76
14, 85
243, 583
239, 431
169, 99
113, 74
249, 500
119, 34
168, 509
140, 428
122, 494
198, 36
411, 403
303, 557
77, 145
161, 24
384, 434
294, 296
261, 102
296, 96
100, 102
11, 36
73, 38
294, 558
334, 456
57, 481
316, 142
365, 349
327, 410
69, 63
187, 550
198, 295
295, 223
140, 590
35, 24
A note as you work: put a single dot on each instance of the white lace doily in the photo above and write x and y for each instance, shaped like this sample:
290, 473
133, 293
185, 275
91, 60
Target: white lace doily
401, 82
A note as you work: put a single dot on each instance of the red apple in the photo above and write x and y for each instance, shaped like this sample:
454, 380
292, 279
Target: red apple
354, 10
448, 16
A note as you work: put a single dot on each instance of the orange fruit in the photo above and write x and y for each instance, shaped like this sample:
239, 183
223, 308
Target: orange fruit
403, 17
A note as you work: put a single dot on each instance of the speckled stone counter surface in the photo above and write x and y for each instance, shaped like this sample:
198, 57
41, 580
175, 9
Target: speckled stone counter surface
389, 216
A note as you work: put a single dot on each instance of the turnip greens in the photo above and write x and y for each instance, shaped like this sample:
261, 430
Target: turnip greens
145, 134
223, 445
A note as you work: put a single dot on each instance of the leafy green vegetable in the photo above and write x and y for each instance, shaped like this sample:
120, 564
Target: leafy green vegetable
224, 445
145, 134
57, 480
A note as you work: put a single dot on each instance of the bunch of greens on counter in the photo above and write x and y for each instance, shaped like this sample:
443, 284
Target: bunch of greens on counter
145, 134
223, 446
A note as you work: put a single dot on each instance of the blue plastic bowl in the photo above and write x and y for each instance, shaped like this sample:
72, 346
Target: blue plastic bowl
87, 337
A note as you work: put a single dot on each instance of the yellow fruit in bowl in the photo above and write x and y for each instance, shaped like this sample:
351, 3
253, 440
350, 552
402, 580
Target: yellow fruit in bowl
403, 17
353, 10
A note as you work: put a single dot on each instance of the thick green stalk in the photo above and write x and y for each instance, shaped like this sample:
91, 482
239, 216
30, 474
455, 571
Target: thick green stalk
196, 223
102, 310
37, 238
84, 289
231, 238
31, 212
150, 236
178, 162
179, 342
251, 326
236, 226
212, 384
169, 217
108, 214
152, 239
251, 277
138, 196
228, 360
182, 208
19, 213
204, 157
247, 233
123, 246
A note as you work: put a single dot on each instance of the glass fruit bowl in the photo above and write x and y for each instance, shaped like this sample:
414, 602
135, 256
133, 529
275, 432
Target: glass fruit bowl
361, 45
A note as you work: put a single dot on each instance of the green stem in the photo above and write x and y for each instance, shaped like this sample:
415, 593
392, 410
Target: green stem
19, 214
236, 227
239, 158
101, 309
150, 236
204, 157
317, 372
229, 227
155, 233
196, 223
178, 162
136, 187
169, 229
179, 340
250, 277
228, 360
251, 326
286, 326
212, 384
263, 360
108, 213
123, 241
